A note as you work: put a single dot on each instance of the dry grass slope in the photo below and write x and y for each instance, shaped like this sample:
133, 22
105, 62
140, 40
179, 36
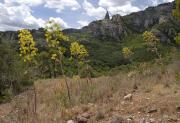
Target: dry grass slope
155, 97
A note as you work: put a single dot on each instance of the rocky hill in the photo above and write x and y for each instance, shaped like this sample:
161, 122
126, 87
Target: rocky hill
119, 26
105, 38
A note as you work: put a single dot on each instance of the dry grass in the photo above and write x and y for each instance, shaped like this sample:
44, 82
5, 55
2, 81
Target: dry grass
157, 88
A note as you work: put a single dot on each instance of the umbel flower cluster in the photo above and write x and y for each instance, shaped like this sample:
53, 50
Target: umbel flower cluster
78, 50
27, 45
127, 52
54, 36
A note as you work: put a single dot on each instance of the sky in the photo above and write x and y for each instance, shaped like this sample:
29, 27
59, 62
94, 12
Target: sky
33, 14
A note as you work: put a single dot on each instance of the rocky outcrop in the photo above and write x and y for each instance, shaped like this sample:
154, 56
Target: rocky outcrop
117, 27
142, 20
107, 28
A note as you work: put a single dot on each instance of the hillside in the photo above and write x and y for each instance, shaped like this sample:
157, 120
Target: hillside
121, 69
108, 36
119, 26
134, 97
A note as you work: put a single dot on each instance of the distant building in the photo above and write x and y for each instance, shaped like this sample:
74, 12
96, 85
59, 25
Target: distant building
107, 17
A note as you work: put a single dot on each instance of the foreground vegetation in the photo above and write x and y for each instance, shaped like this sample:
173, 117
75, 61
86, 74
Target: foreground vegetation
153, 88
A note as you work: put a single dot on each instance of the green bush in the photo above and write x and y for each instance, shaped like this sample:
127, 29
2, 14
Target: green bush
13, 74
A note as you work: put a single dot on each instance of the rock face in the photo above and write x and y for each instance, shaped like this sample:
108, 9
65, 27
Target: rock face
107, 28
117, 27
113, 28
9, 36
153, 17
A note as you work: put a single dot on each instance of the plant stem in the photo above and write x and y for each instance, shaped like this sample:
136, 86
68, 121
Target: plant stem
67, 86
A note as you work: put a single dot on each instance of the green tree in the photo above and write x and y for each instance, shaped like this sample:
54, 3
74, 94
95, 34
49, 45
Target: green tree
55, 38
12, 71
152, 42
44, 65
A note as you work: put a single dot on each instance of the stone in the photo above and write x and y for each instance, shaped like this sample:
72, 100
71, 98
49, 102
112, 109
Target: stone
70, 121
173, 120
81, 119
142, 121
86, 115
135, 87
128, 97
129, 120
99, 115
152, 110
117, 120
178, 108
152, 120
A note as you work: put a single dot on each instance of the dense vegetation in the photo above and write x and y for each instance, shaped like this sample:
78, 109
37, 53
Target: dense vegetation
12, 71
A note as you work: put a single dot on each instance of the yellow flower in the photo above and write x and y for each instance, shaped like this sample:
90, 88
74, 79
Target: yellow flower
27, 45
76, 77
127, 52
53, 56
78, 50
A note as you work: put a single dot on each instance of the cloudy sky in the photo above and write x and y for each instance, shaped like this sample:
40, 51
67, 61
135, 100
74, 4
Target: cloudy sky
17, 14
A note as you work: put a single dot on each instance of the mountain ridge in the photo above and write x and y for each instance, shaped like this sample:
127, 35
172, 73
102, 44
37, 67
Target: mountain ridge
118, 26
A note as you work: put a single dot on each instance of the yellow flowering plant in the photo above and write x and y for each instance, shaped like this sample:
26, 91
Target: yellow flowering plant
176, 11
78, 54
152, 41
54, 38
78, 50
177, 39
27, 48
127, 52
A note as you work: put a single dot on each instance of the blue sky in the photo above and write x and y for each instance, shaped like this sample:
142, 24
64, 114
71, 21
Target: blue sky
17, 14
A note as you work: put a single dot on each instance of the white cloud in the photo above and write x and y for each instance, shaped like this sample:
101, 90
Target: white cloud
168, 0
98, 12
123, 10
17, 17
121, 7
83, 23
25, 2
108, 3
60, 5
156, 2
60, 21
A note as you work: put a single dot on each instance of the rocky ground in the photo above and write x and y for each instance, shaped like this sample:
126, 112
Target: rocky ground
137, 107
155, 98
